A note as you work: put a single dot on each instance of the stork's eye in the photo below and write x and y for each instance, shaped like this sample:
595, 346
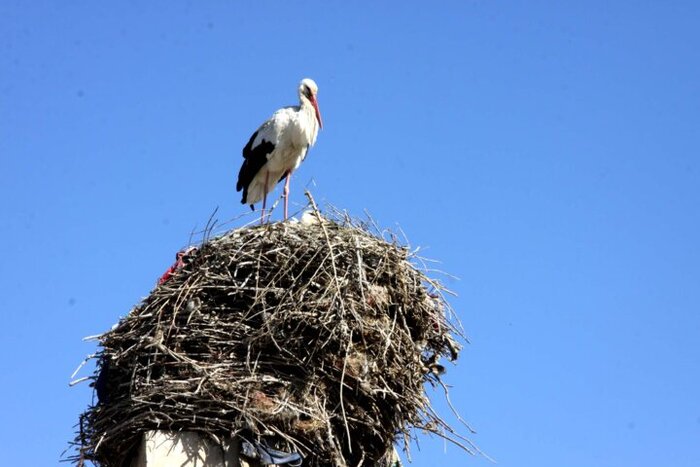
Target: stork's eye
307, 91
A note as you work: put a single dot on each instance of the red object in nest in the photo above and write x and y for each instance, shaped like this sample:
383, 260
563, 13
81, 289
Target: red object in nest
181, 258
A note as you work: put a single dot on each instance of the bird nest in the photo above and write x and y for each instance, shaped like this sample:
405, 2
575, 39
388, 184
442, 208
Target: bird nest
316, 337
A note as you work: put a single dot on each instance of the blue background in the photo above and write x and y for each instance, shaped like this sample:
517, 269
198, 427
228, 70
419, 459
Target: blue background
546, 153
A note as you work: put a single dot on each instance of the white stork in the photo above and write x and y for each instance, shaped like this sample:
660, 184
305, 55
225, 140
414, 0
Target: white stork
278, 147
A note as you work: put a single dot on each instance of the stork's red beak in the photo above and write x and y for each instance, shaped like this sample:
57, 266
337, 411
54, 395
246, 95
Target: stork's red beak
314, 102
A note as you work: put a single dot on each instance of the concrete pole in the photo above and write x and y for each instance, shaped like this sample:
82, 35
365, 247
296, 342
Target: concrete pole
187, 449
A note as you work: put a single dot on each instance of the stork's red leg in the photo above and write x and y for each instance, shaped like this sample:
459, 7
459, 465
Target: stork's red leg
286, 193
262, 214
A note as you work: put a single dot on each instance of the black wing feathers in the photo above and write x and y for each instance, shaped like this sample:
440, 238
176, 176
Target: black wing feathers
255, 159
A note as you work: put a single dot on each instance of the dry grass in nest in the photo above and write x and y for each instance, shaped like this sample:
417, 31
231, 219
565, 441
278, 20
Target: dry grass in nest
317, 336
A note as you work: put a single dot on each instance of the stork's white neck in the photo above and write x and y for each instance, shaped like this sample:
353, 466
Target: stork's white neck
305, 102
308, 118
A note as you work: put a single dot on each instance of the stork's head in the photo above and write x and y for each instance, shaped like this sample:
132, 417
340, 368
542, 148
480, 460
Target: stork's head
308, 90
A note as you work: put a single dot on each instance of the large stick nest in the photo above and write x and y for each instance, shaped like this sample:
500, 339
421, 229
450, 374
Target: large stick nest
316, 335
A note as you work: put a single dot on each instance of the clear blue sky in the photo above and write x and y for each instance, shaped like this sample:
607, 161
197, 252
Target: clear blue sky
546, 154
